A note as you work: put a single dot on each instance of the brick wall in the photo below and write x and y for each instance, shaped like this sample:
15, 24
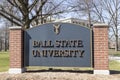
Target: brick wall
16, 48
100, 37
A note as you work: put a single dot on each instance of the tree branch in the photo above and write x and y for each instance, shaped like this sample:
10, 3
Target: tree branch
11, 20
11, 2
32, 5
11, 15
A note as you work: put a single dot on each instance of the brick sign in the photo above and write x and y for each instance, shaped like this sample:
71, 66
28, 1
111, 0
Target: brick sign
58, 44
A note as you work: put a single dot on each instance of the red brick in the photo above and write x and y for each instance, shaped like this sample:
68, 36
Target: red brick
100, 47
16, 48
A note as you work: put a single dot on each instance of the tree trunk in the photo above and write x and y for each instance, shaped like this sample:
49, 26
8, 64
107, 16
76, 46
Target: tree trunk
27, 25
89, 19
5, 44
27, 22
0, 45
116, 43
6, 39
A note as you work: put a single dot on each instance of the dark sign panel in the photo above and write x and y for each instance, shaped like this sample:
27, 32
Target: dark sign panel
58, 44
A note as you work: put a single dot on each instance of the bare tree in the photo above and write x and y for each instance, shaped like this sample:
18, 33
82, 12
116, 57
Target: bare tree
4, 36
98, 11
1, 39
24, 12
88, 8
110, 13
82, 8
105, 11
1, 43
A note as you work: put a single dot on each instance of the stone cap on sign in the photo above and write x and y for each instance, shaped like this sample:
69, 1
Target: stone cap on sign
15, 27
100, 25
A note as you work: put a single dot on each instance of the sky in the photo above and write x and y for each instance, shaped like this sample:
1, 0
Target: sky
1, 24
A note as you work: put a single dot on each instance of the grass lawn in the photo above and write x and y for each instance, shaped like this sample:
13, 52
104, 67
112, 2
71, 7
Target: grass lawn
114, 65
4, 64
4, 61
114, 53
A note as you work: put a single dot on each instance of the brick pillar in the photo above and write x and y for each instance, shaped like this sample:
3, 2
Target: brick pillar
16, 50
100, 43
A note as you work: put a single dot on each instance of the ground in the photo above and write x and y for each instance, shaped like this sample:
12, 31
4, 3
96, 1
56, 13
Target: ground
42, 73
52, 75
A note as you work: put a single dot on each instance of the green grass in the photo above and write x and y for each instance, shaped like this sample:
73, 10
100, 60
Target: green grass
4, 61
114, 53
4, 65
114, 65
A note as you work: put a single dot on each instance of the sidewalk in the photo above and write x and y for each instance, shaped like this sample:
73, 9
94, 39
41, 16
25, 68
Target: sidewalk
114, 58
